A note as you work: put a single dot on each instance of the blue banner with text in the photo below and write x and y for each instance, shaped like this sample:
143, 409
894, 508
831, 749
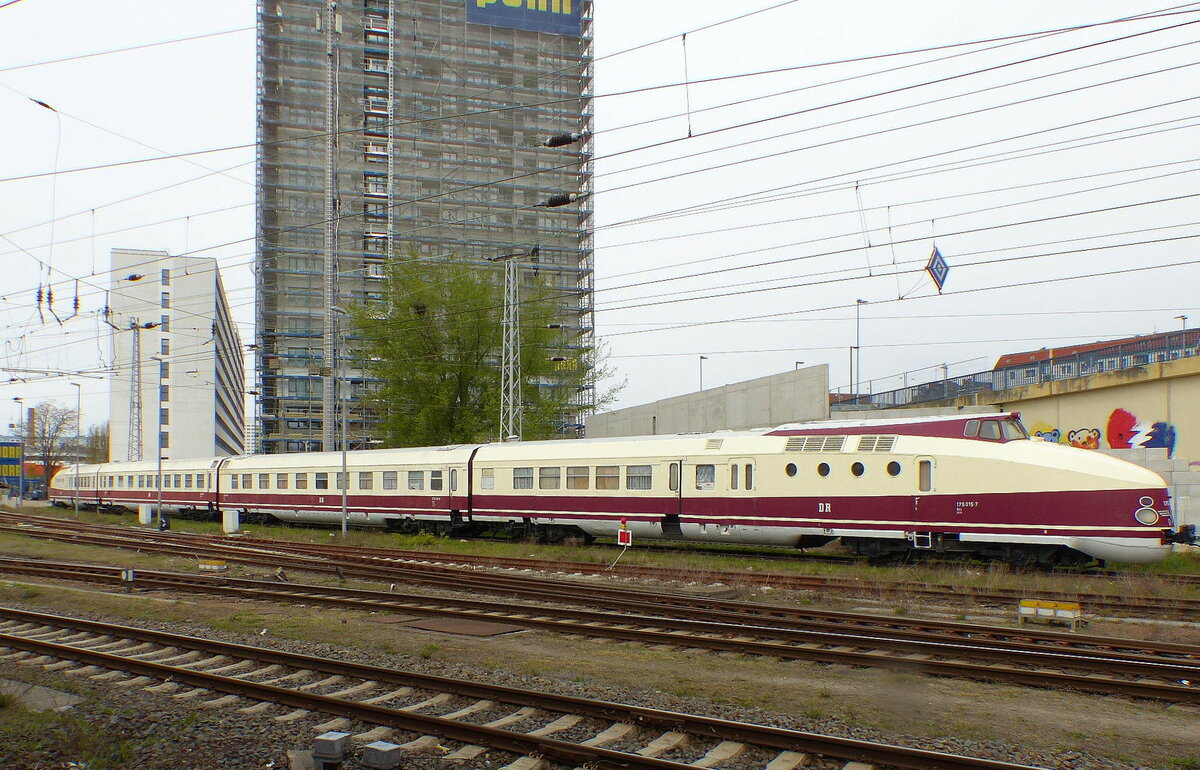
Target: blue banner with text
554, 17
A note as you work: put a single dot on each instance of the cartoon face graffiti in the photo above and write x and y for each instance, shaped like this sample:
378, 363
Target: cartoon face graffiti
1084, 438
1046, 432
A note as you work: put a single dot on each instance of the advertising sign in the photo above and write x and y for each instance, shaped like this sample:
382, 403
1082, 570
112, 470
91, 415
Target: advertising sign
10, 465
554, 17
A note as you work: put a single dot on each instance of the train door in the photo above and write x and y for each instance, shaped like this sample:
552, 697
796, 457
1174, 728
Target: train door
674, 504
701, 481
439, 488
922, 538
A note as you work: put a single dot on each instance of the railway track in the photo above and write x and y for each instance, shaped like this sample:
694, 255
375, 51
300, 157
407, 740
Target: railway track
1159, 671
348, 559
382, 703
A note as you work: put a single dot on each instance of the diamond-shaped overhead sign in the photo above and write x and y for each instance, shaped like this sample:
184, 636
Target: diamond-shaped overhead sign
937, 268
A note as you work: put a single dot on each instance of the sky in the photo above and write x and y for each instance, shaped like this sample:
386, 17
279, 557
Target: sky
817, 156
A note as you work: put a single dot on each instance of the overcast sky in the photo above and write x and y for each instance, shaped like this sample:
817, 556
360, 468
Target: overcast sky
1042, 167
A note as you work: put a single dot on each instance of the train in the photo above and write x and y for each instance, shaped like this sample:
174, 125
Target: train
972, 486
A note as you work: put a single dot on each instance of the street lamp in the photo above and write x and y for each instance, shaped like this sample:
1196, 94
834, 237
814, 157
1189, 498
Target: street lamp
340, 397
21, 493
858, 303
78, 438
702, 360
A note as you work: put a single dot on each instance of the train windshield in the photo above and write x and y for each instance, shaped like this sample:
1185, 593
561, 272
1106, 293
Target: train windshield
1013, 430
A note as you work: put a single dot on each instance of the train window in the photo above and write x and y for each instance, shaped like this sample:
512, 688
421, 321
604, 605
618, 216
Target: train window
549, 478
320, 481
247, 481
233, 481
366, 480
578, 477
790, 469
733, 476
389, 480
454, 479
487, 478
673, 480
749, 476
187, 481
264, 481
706, 476
1013, 430
971, 428
858, 469
141, 481
301, 481
522, 478
990, 429
281, 481
608, 477
120, 481
416, 480
893, 468
823, 470
639, 477
339, 480
925, 471
435, 481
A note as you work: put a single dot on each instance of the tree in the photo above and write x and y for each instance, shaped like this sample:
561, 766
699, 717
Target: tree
434, 343
95, 444
52, 435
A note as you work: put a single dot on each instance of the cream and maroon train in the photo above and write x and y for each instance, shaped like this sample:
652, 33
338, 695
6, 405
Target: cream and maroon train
964, 484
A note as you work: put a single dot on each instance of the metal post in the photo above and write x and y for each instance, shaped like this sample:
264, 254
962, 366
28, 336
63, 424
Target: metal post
341, 384
858, 303
78, 438
24, 431
159, 451
702, 360
512, 417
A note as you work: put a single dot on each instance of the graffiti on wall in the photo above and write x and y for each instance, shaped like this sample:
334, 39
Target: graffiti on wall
1122, 431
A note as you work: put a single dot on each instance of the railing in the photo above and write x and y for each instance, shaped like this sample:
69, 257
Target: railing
1150, 350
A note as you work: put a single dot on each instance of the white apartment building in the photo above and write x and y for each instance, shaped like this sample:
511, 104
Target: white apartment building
178, 359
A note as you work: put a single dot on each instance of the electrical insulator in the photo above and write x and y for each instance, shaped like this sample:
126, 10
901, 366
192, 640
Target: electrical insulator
561, 199
562, 140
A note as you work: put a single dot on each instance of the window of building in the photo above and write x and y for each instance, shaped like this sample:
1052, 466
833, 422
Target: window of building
164, 416
264, 481
416, 480
164, 369
608, 477
247, 481
522, 478
320, 481
366, 480
166, 300
706, 476
164, 440
487, 478
639, 477
164, 392
166, 277
375, 65
390, 480
301, 481
164, 323
164, 346
281, 481
435, 481
578, 477
549, 478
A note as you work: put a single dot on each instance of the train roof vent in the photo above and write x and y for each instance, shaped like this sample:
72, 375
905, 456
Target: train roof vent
876, 443
714, 443
815, 444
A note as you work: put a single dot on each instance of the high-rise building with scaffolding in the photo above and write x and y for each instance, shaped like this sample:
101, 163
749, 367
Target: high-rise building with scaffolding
440, 128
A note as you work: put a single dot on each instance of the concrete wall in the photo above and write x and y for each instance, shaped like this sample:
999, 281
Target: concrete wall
794, 396
1149, 415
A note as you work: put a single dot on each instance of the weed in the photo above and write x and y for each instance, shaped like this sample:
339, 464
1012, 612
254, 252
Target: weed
813, 711
429, 651
825, 693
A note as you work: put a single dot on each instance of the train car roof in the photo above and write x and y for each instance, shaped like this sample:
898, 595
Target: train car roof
939, 425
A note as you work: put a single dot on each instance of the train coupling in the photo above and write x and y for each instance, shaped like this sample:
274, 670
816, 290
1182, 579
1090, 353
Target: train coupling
1185, 535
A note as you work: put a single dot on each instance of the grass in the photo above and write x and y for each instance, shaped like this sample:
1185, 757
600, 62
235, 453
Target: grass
25, 733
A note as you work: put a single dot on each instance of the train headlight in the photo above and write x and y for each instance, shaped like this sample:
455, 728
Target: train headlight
1146, 514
